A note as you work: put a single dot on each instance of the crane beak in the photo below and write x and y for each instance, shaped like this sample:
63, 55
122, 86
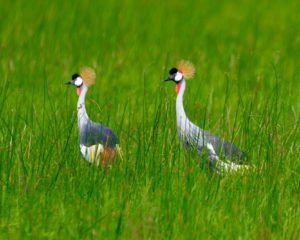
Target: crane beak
70, 82
168, 79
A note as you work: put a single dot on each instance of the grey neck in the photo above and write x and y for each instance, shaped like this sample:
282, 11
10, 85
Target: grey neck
83, 118
187, 129
180, 113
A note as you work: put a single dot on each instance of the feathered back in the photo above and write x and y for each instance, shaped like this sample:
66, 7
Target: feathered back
187, 69
88, 75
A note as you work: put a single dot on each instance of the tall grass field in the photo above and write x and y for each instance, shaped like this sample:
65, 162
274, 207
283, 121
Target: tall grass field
246, 90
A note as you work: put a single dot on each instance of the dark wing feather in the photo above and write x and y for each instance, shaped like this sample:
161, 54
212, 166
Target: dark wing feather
231, 151
96, 133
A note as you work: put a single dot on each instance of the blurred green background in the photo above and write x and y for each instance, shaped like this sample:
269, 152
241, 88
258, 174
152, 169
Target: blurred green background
246, 90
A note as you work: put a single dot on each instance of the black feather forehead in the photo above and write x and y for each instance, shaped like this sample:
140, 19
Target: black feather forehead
173, 70
74, 76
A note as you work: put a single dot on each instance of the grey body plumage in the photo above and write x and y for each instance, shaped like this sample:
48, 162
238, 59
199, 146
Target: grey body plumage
195, 137
95, 133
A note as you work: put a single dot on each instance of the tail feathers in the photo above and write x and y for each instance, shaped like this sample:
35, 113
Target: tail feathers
94, 153
223, 167
119, 151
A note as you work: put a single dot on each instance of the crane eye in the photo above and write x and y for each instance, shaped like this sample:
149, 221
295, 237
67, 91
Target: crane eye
78, 81
178, 77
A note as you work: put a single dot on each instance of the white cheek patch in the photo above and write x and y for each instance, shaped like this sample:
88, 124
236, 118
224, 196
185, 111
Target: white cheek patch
178, 76
78, 81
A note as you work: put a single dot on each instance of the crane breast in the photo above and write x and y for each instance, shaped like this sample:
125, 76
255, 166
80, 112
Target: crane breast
95, 133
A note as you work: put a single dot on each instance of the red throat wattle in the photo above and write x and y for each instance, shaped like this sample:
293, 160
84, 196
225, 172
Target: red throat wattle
177, 87
78, 91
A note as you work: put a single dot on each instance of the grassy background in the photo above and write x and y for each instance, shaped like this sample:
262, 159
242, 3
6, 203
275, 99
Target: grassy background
246, 90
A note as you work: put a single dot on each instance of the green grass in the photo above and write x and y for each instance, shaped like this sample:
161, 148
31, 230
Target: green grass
246, 90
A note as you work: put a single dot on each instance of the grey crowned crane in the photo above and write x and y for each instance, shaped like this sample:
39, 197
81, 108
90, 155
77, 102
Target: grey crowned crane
97, 142
196, 138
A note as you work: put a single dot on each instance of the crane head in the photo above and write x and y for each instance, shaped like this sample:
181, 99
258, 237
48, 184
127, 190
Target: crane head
176, 76
77, 81
184, 70
86, 78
